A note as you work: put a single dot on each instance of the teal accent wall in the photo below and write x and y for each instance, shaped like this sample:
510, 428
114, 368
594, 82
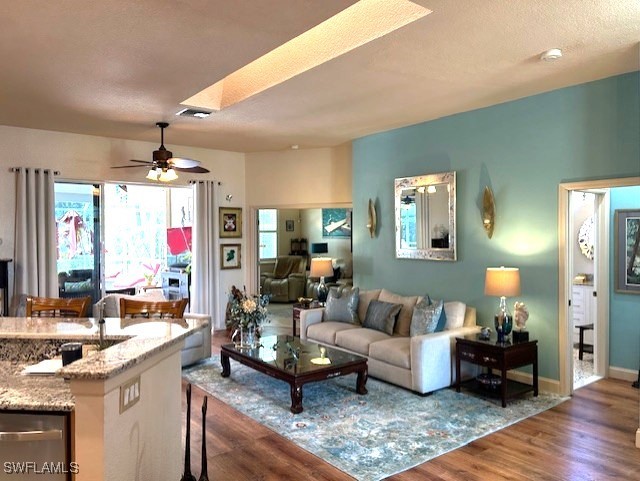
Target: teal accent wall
522, 150
624, 309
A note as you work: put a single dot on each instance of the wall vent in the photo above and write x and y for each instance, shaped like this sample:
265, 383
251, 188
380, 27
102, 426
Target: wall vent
198, 113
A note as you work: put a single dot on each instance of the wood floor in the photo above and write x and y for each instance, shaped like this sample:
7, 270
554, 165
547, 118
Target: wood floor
589, 437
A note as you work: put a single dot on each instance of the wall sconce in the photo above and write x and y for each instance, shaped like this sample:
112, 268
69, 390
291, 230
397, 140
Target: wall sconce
488, 211
228, 197
372, 220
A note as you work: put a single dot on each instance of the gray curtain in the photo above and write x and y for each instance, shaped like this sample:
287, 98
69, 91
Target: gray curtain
35, 234
204, 264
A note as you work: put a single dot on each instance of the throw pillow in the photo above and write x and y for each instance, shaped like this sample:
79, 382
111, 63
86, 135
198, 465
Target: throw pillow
455, 314
425, 316
365, 298
381, 316
342, 307
404, 318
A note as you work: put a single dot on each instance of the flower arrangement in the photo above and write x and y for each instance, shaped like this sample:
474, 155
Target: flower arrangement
246, 311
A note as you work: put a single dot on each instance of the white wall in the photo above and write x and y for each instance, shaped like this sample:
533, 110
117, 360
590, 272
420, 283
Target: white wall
582, 206
299, 178
86, 157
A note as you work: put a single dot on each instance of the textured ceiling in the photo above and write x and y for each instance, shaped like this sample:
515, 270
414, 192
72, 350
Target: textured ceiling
114, 68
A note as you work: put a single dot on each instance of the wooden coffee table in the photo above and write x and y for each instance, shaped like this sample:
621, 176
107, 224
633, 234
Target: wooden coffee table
314, 363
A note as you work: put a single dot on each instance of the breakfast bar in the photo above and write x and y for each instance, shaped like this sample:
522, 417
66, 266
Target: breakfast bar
121, 399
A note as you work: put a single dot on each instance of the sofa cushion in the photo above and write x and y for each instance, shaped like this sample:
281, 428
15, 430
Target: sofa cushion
403, 325
365, 298
454, 312
382, 316
395, 351
342, 306
426, 315
358, 340
325, 332
111, 302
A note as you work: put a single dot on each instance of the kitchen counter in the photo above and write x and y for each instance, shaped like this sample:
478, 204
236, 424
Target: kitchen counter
29, 340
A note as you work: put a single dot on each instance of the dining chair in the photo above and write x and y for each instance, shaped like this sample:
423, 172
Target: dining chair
130, 308
56, 307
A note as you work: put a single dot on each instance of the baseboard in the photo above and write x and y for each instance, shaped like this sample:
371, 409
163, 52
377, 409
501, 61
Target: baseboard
544, 384
623, 374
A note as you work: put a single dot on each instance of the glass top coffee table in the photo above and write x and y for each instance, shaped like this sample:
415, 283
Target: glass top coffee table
296, 362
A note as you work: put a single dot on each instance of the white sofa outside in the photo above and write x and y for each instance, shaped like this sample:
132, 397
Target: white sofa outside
197, 346
423, 363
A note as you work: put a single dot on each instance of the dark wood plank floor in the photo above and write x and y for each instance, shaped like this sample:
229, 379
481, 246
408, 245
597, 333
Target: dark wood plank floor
590, 437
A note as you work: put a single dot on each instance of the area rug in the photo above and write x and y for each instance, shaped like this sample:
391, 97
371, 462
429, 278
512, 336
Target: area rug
369, 437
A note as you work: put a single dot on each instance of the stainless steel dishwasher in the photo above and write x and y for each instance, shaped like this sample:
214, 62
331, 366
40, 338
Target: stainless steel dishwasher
35, 446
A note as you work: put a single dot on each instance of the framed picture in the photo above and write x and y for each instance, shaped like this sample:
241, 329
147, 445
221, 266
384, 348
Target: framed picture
230, 222
628, 251
289, 225
230, 256
336, 223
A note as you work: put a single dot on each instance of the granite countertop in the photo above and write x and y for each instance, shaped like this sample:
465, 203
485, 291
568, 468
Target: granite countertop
132, 341
32, 393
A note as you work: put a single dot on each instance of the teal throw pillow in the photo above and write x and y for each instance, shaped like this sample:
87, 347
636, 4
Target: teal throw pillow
382, 316
426, 316
342, 307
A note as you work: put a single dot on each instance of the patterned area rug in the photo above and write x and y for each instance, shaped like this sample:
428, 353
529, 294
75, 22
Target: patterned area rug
369, 437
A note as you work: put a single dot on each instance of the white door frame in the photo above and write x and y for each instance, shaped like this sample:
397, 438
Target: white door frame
565, 336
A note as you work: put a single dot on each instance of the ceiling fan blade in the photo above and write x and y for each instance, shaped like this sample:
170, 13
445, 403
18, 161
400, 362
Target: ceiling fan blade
194, 170
130, 166
141, 161
183, 163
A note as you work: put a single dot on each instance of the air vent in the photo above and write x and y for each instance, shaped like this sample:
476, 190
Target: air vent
198, 113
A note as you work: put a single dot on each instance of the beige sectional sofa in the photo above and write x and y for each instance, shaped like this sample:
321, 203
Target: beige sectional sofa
197, 346
422, 363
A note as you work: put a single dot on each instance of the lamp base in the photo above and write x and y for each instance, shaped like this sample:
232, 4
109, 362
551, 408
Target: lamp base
323, 292
520, 336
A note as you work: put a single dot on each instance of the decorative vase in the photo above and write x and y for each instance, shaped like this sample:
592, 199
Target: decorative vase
244, 337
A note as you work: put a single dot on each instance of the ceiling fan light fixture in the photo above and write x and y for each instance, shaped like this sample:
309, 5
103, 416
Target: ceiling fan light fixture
152, 175
167, 175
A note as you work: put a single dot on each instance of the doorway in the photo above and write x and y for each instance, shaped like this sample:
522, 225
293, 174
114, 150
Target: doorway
601, 280
584, 251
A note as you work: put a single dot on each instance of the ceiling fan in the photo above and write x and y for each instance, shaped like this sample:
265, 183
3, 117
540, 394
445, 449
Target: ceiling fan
164, 164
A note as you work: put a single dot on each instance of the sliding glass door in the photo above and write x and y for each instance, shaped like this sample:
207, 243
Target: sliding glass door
77, 211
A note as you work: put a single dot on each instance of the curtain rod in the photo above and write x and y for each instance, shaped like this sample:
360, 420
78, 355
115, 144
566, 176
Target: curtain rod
18, 169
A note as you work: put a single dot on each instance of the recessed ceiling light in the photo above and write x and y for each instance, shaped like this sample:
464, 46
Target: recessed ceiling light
295, 147
551, 54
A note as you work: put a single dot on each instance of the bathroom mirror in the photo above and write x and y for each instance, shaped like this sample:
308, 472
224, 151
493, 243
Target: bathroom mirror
425, 209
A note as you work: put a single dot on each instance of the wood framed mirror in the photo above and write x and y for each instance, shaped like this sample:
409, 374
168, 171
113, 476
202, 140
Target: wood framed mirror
425, 212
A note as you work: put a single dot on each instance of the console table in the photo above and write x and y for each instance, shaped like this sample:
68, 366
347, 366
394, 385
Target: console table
501, 356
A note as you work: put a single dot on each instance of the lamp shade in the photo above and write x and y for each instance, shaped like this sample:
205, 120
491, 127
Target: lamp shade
502, 282
321, 267
319, 248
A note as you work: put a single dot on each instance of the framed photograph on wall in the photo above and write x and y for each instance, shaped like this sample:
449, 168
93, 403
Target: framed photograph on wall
289, 225
230, 222
336, 223
627, 257
230, 256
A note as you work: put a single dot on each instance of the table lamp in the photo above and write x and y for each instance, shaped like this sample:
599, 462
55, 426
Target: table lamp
321, 267
502, 282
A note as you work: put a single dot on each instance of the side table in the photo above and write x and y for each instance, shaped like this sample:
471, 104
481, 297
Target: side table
501, 356
297, 307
